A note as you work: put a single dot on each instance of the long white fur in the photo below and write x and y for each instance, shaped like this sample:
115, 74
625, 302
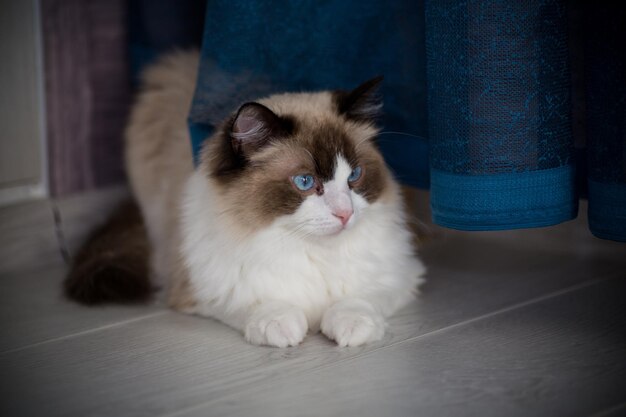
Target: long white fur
305, 271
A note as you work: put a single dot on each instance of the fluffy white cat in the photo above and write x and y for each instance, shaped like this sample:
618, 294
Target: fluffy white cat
290, 224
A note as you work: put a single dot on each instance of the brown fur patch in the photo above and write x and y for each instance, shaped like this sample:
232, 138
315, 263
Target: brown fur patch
180, 294
112, 266
228, 158
258, 189
361, 104
325, 142
375, 173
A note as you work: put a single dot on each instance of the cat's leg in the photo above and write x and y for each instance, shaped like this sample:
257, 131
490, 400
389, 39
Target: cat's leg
271, 323
275, 323
353, 322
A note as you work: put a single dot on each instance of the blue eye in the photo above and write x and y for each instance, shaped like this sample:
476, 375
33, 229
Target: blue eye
303, 182
355, 174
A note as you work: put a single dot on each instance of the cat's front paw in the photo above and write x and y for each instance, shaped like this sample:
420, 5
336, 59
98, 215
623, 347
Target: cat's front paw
353, 323
274, 324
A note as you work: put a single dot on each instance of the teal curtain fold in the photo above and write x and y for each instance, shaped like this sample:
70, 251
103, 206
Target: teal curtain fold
477, 96
252, 49
605, 73
501, 146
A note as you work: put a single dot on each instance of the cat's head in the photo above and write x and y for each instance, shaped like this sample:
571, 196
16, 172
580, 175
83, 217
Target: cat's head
307, 160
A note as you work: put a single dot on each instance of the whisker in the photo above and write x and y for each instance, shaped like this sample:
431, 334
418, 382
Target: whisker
401, 133
363, 141
294, 232
311, 155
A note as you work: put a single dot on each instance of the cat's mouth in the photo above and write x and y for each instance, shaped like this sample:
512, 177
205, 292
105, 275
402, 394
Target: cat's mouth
338, 231
335, 228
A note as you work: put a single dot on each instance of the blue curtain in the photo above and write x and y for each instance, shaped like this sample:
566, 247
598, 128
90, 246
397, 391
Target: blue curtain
477, 93
501, 145
500, 125
157, 26
606, 119
254, 48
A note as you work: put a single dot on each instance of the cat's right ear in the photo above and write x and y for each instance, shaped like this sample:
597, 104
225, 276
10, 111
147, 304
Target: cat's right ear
364, 103
254, 126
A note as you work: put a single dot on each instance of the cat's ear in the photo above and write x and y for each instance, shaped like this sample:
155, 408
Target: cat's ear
254, 126
364, 103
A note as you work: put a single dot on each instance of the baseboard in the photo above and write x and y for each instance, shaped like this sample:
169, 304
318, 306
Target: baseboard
19, 193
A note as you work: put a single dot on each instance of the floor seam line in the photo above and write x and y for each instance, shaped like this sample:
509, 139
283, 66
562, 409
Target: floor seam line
610, 410
504, 310
59, 231
84, 332
434, 332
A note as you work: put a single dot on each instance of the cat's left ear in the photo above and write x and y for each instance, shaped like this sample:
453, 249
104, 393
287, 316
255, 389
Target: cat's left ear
364, 103
254, 126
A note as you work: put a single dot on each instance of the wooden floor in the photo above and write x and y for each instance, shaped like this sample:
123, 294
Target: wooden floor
519, 323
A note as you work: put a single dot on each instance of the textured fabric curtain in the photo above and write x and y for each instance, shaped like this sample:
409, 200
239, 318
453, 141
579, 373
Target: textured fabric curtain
499, 83
158, 26
477, 96
254, 48
500, 126
606, 122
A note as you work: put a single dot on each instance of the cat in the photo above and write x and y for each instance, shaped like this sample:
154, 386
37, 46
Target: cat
291, 223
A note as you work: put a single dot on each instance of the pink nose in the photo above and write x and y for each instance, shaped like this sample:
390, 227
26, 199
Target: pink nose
343, 215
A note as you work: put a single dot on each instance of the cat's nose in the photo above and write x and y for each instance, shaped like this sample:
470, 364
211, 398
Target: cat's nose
343, 215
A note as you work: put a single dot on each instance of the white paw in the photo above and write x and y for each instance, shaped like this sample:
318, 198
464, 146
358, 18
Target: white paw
279, 325
353, 323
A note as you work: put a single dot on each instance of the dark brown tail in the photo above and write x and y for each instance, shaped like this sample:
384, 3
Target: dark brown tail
112, 266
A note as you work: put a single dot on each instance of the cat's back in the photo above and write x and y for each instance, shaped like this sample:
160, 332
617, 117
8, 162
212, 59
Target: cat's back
158, 149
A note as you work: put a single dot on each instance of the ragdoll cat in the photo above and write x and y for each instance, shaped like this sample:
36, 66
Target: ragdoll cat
291, 222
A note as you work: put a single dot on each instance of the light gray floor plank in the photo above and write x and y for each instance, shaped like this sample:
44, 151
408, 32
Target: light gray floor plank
169, 362
69, 360
32, 308
81, 213
27, 238
562, 356
615, 411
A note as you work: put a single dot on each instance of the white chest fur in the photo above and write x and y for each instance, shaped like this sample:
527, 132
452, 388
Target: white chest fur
230, 274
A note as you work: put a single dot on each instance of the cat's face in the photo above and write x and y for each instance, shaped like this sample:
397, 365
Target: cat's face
307, 161
337, 206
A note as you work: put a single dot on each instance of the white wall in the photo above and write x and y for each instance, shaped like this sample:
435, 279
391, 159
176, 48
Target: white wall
22, 127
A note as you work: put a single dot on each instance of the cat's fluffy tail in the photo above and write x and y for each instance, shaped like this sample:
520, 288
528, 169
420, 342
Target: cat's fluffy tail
112, 266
